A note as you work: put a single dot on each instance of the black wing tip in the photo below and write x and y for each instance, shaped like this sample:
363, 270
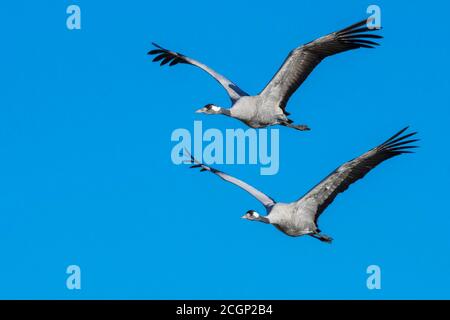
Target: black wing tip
361, 43
165, 56
197, 164
396, 135
354, 26
358, 33
157, 45
155, 51
399, 142
359, 40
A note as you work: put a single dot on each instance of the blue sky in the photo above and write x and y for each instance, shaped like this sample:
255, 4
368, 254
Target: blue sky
87, 179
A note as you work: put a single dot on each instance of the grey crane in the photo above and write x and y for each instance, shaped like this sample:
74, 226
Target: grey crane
268, 108
300, 217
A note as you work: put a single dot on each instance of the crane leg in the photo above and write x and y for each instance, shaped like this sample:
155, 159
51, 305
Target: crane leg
322, 237
301, 127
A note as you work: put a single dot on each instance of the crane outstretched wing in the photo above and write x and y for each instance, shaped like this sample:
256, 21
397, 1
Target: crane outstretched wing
173, 58
260, 196
301, 61
339, 180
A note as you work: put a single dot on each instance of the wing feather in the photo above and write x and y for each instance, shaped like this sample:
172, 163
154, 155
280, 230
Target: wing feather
260, 196
323, 194
301, 61
175, 58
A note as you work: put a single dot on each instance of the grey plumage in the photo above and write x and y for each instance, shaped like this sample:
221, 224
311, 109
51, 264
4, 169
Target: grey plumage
269, 106
301, 217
